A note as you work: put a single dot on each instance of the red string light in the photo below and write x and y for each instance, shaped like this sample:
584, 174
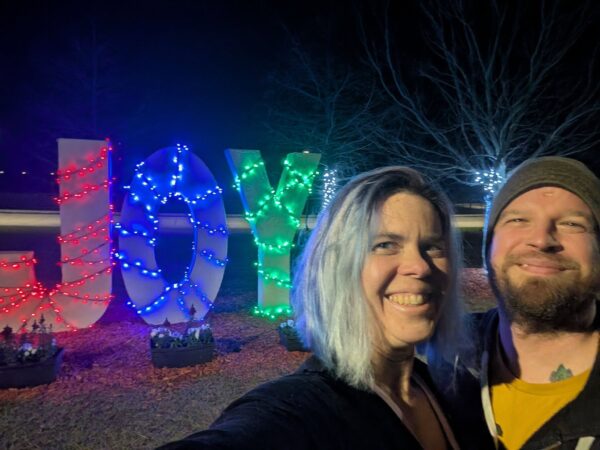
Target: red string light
16, 265
94, 164
13, 298
84, 279
88, 298
87, 229
87, 189
84, 253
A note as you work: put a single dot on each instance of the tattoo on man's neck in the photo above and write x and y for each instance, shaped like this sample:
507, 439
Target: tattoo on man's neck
562, 373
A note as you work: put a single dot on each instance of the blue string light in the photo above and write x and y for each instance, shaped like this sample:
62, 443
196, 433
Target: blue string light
210, 256
162, 298
148, 191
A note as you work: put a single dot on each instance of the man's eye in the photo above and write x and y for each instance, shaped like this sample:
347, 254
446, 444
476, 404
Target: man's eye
515, 220
574, 226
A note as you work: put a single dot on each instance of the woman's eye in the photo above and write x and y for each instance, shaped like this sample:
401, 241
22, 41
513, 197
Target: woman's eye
386, 246
435, 250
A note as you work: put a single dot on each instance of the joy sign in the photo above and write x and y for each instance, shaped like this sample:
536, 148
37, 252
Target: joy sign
169, 174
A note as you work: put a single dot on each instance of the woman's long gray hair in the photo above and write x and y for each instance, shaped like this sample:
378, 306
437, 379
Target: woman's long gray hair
332, 314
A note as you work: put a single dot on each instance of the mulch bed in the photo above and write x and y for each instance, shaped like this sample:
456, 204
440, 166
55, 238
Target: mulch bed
108, 394
476, 290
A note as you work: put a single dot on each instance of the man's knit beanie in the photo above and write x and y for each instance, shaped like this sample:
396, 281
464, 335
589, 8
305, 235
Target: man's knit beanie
558, 171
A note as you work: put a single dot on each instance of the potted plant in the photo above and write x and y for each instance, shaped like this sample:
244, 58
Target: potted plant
171, 348
289, 338
29, 359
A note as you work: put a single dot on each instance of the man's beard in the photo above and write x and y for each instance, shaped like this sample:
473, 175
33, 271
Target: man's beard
547, 304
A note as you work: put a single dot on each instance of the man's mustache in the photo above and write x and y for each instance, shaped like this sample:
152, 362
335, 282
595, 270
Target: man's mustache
534, 257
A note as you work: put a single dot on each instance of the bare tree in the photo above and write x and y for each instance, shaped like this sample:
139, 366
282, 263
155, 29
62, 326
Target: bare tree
502, 84
324, 105
85, 88
78, 90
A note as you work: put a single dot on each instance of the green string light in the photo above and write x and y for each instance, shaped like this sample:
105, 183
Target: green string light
296, 180
274, 216
275, 276
280, 247
273, 312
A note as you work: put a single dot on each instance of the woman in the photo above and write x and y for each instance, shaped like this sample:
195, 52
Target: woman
376, 279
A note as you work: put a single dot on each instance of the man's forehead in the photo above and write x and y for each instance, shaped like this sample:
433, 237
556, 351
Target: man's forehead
547, 192
552, 198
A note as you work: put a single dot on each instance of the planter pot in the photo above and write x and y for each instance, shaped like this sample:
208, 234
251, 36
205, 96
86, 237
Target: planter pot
31, 374
291, 342
182, 356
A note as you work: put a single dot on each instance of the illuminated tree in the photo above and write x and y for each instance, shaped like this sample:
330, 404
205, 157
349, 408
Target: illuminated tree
502, 82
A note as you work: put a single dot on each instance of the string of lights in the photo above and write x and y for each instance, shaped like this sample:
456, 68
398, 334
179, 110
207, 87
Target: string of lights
12, 300
137, 264
159, 301
26, 289
265, 206
93, 229
153, 185
278, 200
78, 251
490, 180
94, 164
329, 187
86, 297
87, 190
85, 278
281, 279
272, 313
23, 261
79, 260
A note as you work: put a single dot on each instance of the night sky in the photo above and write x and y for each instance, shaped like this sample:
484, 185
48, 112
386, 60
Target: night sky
191, 72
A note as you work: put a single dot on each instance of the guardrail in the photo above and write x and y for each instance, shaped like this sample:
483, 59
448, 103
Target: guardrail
172, 222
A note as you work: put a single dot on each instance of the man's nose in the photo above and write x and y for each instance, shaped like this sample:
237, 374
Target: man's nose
543, 236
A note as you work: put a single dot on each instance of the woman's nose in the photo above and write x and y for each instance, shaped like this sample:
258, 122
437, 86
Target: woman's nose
414, 263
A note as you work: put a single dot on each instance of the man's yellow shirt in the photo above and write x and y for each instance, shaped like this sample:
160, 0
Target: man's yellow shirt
521, 408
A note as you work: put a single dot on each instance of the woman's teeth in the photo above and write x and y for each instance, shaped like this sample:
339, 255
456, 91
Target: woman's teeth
408, 299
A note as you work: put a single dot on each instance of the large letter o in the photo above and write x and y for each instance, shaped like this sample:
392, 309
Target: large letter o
168, 173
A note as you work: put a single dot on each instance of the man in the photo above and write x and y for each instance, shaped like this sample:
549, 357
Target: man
540, 370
